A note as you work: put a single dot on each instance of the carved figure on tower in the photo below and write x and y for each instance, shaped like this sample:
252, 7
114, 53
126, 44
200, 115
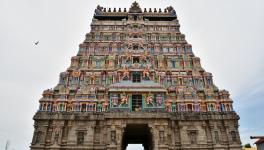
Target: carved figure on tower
105, 105
146, 73
168, 105
125, 73
92, 90
149, 99
69, 106
128, 56
124, 99
143, 56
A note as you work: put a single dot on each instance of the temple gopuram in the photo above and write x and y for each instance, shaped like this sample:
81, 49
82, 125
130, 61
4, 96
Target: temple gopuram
135, 80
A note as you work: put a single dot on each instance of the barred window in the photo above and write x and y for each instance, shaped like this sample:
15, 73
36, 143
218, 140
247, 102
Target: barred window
136, 77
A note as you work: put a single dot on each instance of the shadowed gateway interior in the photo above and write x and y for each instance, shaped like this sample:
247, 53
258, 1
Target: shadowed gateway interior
137, 134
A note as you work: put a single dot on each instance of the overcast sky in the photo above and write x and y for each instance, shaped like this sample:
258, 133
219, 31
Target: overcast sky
225, 34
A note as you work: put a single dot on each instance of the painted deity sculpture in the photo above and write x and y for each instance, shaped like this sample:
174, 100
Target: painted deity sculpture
124, 99
149, 100
125, 73
168, 105
146, 74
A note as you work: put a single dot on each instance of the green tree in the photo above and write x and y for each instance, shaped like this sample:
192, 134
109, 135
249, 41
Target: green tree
247, 145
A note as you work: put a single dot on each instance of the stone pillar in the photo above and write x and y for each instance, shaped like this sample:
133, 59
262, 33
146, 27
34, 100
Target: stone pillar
207, 129
177, 136
114, 138
161, 133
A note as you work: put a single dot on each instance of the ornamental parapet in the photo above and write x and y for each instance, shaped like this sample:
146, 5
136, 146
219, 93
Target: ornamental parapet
180, 116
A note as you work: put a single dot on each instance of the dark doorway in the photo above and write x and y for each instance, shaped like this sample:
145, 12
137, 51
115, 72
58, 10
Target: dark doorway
136, 102
137, 134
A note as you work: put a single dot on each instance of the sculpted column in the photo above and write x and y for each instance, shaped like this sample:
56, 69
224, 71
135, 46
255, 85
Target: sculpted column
177, 136
207, 129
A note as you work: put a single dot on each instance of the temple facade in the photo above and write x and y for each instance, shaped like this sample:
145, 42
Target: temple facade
135, 79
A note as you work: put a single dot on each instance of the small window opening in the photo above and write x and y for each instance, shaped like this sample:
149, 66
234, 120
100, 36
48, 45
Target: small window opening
135, 18
135, 59
136, 77
135, 47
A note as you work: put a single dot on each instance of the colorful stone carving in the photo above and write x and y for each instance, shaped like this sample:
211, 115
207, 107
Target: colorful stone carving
149, 100
135, 79
140, 57
124, 99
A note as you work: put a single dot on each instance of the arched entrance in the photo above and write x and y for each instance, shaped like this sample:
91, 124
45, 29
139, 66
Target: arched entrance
138, 134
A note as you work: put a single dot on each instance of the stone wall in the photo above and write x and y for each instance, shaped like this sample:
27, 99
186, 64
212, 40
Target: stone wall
170, 131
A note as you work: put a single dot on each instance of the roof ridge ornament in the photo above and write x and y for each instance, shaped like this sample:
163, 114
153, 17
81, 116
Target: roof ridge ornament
135, 8
172, 11
98, 10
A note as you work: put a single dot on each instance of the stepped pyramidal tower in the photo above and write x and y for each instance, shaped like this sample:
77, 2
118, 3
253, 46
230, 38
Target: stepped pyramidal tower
135, 79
